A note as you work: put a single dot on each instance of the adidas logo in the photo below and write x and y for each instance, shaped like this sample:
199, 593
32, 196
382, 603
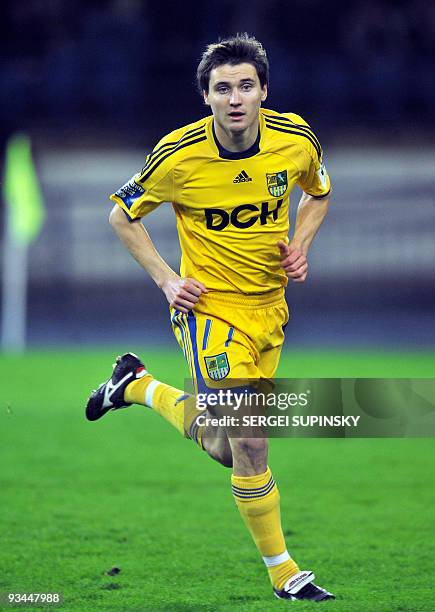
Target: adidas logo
242, 178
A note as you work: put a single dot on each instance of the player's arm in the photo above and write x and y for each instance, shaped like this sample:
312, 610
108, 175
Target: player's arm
181, 293
310, 215
311, 212
314, 181
143, 193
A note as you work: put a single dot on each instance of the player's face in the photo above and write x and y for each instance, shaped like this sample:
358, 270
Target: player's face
235, 96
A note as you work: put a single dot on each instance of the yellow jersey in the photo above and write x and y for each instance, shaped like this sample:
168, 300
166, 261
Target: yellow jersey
231, 208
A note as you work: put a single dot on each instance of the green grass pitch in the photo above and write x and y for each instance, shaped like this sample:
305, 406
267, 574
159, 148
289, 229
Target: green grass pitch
79, 498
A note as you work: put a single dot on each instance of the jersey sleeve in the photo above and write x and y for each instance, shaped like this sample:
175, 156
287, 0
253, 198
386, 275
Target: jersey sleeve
313, 177
147, 189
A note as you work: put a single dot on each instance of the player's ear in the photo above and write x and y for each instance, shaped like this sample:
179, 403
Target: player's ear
264, 93
205, 96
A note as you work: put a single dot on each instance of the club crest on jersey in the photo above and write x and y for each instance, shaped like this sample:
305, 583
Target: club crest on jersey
277, 183
217, 366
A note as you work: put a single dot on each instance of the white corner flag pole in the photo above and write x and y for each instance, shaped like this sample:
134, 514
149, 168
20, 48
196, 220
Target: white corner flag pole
24, 212
14, 291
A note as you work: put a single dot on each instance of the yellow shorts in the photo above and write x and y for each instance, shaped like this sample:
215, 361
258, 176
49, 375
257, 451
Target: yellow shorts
232, 336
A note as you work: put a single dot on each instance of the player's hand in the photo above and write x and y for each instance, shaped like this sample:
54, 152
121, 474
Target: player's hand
294, 262
183, 293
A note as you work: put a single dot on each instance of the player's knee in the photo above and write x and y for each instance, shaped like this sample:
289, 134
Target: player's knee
225, 458
220, 452
252, 448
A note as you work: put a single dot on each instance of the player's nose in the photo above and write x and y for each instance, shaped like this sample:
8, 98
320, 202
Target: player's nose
235, 98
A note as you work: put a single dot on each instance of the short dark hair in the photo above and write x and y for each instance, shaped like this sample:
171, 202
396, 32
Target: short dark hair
235, 50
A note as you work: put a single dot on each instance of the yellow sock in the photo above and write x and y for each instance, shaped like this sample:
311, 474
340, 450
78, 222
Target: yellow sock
175, 406
257, 499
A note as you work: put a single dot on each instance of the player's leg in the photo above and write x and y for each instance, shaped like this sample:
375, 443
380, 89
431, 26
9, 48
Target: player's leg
180, 410
130, 383
197, 333
214, 441
257, 498
255, 491
216, 350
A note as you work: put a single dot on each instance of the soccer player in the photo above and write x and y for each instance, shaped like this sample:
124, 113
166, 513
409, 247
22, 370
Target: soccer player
228, 177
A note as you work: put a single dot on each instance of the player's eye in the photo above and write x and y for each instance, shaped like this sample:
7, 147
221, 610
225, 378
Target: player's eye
247, 87
222, 90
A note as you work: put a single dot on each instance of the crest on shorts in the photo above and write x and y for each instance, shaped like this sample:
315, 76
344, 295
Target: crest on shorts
217, 366
277, 183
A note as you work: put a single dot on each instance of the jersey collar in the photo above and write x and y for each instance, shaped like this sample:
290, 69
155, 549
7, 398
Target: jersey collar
225, 154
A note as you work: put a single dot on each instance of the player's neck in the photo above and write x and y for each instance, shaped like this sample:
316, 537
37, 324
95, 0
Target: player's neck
236, 141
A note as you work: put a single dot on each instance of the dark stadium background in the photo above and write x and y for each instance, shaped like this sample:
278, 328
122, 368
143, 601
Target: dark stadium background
95, 84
